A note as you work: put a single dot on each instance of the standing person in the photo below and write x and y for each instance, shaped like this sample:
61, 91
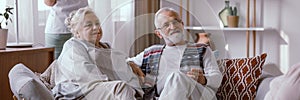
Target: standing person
56, 32
177, 70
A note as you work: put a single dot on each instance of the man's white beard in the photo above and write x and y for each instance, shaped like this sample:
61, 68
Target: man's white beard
174, 38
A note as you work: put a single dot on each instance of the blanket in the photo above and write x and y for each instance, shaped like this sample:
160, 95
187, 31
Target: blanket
287, 86
81, 68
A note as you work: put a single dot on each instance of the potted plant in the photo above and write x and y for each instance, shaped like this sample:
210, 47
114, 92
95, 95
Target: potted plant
233, 18
4, 19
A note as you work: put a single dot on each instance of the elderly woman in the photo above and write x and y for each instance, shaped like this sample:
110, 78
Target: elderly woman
88, 68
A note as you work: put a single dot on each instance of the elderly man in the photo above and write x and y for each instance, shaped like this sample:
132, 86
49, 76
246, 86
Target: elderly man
177, 70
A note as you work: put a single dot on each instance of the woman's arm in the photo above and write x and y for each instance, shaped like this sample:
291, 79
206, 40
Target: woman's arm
136, 69
135, 63
50, 2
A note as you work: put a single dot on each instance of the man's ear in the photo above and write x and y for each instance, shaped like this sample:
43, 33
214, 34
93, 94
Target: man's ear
158, 33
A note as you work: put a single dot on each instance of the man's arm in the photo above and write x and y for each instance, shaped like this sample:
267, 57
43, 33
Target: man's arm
50, 2
212, 74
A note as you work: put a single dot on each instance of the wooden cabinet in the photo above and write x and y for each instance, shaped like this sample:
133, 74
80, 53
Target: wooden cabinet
35, 58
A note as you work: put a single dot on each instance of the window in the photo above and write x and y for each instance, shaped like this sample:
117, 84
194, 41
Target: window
116, 16
122, 9
43, 11
2, 7
32, 16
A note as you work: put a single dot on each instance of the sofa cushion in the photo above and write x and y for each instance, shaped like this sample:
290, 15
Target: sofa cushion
240, 78
263, 88
26, 85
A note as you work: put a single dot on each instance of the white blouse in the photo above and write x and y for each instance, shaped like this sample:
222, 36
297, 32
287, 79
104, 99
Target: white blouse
59, 12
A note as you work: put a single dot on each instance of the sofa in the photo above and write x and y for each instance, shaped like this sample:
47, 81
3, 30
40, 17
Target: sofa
33, 86
243, 78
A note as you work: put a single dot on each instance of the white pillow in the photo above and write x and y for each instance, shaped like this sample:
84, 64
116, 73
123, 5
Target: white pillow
25, 84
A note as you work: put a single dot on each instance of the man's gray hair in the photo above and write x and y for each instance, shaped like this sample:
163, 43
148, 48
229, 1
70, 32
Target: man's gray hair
164, 9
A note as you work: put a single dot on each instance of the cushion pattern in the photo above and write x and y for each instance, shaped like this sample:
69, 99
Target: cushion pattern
240, 78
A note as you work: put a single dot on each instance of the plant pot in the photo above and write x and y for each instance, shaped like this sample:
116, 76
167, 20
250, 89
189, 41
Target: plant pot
233, 21
3, 38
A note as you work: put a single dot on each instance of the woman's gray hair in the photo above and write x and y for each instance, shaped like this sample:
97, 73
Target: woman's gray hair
75, 19
164, 9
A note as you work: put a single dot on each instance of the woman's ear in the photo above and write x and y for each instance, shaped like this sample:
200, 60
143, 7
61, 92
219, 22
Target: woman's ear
158, 33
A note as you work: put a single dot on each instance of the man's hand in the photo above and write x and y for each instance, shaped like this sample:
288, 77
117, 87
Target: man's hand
137, 70
197, 75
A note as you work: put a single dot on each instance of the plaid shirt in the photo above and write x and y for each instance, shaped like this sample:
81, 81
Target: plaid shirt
193, 56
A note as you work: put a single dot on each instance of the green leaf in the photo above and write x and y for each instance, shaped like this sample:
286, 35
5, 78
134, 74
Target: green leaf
8, 9
10, 19
234, 11
230, 11
6, 16
9, 12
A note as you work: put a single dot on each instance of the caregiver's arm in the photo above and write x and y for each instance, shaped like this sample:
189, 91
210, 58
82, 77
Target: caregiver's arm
50, 2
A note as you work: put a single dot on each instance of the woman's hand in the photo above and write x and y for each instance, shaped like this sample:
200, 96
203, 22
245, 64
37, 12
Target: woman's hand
197, 75
137, 70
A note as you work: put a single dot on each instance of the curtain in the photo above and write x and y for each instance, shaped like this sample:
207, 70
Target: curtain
117, 22
144, 25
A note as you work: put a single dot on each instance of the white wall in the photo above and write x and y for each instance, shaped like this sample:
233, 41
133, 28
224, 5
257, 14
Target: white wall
279, 15
268, 41
276, 16
289, 23
206, 15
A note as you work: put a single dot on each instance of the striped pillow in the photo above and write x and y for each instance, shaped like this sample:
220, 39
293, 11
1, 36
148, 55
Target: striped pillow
240, 78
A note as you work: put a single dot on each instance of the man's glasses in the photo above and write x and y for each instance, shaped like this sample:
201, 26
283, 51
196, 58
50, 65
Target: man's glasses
167, 24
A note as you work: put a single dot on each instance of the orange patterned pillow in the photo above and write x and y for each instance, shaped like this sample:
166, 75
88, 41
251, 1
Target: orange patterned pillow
240, 78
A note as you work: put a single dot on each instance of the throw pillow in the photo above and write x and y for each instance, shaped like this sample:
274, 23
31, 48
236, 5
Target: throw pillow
26, 85
240, 78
